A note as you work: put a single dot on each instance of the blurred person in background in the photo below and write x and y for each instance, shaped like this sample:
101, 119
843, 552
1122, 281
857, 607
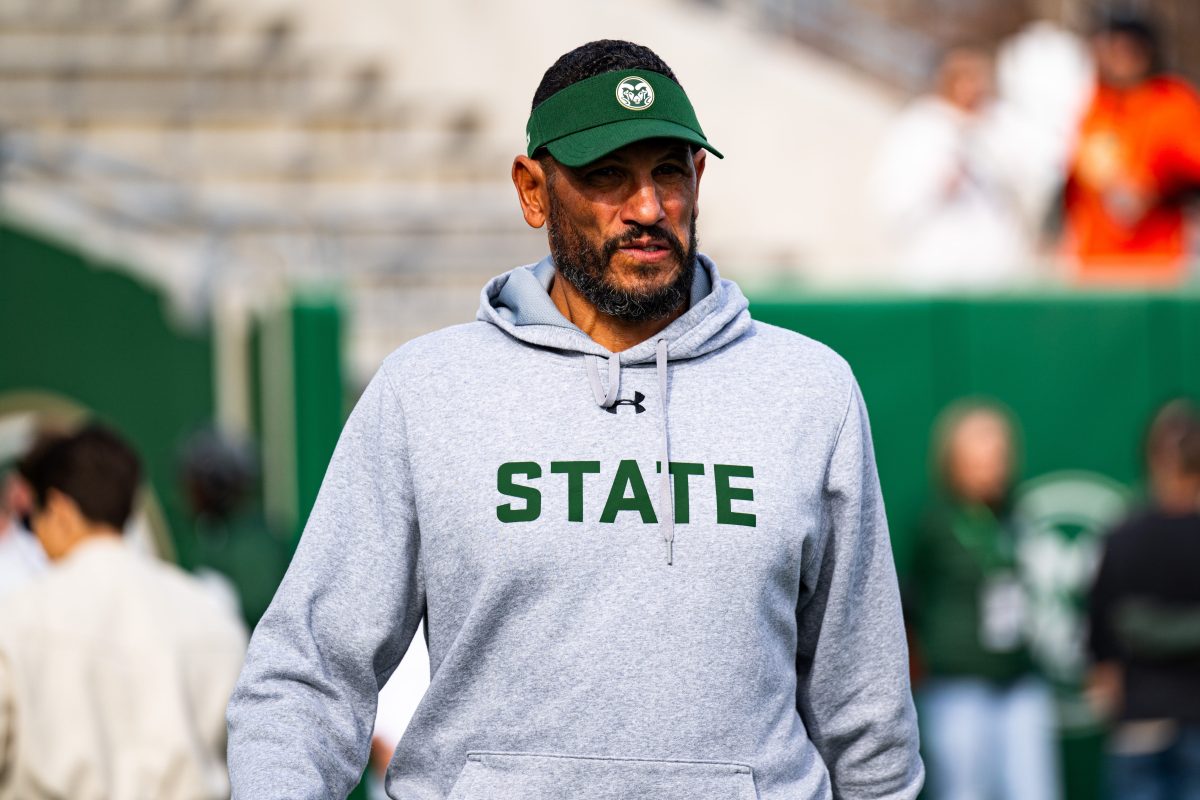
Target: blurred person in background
988, 719
1144, 615
1135, 164
236, 552
115, 667
945, 183
21, 556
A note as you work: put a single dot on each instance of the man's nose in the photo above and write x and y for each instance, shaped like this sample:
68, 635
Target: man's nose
644, 206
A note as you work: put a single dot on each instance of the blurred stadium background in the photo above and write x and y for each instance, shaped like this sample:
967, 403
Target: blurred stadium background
227, 213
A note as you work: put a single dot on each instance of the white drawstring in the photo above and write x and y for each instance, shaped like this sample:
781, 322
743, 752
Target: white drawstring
666, 504
603, 398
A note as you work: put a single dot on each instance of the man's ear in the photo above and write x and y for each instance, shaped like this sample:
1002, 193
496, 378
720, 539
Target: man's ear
63, 506
57, 522
699, 159
533, 190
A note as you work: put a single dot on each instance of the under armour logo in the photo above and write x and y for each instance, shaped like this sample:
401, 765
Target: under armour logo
636, 402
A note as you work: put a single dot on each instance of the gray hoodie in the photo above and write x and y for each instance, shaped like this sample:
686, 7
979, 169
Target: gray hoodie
598, 627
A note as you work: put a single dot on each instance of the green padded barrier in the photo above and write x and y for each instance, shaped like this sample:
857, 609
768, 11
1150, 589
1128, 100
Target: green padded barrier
104, 341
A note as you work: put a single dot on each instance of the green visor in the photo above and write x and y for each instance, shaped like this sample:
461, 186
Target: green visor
593, 117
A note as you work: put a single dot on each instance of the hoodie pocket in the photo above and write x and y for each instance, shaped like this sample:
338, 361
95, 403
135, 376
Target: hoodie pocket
550, 776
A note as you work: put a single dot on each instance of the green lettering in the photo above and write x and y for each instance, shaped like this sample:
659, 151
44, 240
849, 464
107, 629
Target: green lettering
726, 494
681, 471
575, 470
531, 496
628, 475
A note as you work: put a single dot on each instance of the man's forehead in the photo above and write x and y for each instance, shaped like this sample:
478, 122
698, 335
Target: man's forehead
643, 148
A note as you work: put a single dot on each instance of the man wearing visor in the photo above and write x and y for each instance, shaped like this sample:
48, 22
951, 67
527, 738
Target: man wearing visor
644, 531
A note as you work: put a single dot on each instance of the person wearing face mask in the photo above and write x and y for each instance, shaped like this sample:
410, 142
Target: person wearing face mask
987, 717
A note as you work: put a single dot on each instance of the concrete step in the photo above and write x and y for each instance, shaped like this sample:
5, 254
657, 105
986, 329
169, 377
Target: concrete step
382, 316
78, 96
232, 99
423, 197
375, 216
90, 14
152, 52
273, 151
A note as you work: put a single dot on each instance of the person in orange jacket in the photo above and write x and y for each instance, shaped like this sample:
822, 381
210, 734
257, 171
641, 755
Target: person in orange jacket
1136, 162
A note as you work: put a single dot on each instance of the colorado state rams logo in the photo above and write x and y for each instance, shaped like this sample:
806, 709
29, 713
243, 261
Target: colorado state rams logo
635, 93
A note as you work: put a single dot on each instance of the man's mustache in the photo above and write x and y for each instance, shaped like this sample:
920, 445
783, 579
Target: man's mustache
635, 232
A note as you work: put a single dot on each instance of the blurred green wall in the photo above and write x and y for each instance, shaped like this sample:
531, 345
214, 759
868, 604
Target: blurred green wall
88, 333
98, 338
1083, 372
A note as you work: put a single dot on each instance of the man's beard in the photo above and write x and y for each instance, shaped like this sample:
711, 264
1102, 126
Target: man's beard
586, 267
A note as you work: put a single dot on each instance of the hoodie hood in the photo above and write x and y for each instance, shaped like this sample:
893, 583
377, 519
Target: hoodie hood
518, 302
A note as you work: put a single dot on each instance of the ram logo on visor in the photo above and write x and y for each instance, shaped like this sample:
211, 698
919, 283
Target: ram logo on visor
635, 93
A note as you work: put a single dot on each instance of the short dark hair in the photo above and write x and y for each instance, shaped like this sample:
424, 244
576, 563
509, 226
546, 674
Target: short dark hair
596, 58
1190, 450
1139, 26
1174, 433
93, 466
218, 472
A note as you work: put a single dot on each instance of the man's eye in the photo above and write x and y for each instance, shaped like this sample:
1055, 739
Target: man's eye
601, 173
670, 169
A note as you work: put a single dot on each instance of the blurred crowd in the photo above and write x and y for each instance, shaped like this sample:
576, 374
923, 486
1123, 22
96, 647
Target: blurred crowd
115, 664
1083, 158
987, 705
1093, 169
